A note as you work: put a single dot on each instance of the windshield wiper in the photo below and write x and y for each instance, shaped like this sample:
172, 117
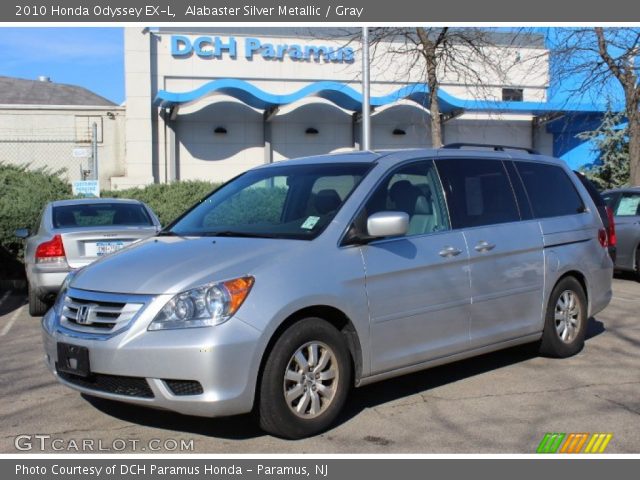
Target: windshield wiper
166, 233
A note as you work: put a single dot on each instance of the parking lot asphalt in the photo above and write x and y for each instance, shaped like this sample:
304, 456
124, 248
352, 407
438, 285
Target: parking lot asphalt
497, 403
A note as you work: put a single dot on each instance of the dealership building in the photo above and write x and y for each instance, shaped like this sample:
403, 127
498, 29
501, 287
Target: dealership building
210, 103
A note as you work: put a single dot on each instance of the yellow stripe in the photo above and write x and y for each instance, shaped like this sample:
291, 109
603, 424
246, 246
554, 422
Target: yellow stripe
596, 445
590, 444
607, 439
583, 439
567, 442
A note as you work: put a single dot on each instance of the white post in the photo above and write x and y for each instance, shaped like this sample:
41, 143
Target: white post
94, 150
366, 119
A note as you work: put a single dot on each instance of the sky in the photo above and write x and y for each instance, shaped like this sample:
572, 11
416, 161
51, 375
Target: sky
91, 57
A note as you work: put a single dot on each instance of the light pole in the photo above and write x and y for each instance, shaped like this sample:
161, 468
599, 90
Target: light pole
366, 114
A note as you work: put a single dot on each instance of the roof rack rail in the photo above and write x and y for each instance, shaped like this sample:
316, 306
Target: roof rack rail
497, 148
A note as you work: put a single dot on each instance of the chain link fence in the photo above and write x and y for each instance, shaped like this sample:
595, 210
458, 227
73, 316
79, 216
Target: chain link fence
66, 149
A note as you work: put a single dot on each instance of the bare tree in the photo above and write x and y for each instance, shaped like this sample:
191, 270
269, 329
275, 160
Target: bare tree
468, 57
602, 62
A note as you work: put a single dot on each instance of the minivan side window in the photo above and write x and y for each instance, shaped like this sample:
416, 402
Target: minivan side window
479, 192
414, 189
551, 192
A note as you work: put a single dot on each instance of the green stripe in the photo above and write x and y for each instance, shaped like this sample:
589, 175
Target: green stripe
550, 442
543, 443
558, 441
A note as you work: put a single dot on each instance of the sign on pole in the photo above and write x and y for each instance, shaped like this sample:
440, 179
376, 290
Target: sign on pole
86, 188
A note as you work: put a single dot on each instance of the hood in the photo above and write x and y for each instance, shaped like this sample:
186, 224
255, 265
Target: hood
169, 265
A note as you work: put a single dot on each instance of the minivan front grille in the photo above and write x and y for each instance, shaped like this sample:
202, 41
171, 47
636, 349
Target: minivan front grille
99, 313
184, 387
117, 384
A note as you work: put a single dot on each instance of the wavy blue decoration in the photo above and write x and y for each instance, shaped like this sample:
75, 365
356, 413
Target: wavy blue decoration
348, 98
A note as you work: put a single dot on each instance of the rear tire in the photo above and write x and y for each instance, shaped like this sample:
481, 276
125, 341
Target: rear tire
566, 320
37, 306
305, 381
637, 265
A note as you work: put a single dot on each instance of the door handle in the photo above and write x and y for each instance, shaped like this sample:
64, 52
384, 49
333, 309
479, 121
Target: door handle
484, 246
449, 252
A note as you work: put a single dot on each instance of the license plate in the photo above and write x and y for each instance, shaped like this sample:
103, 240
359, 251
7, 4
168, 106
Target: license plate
73, 359
105, 248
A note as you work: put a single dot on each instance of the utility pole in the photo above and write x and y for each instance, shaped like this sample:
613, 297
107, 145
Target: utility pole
366, 113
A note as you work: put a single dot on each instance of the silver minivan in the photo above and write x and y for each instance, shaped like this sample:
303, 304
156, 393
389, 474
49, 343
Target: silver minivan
296, 281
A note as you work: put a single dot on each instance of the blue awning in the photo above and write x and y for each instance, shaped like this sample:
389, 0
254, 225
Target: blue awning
564, 120
347, 97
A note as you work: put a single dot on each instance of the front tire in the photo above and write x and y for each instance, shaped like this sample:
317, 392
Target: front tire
566, 320
37, 306
305, 381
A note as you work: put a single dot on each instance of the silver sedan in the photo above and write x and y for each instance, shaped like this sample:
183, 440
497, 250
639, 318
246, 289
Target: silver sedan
74, 233
625, 203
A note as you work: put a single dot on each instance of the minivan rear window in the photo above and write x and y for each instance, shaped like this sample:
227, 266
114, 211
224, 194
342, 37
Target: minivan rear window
591, 190
100, 215
478, 192
551, 192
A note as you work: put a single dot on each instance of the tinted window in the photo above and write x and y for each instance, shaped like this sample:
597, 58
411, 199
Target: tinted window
478, 192
591, 189
610, 199
550, 190
521, 195
100, 215
512, 94
628, 206
415, 190
598, 199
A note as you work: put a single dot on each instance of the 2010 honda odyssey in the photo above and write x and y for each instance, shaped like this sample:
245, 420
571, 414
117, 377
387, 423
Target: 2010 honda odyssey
297, 280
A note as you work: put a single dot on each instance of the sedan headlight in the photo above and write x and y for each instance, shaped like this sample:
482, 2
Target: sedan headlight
205, 306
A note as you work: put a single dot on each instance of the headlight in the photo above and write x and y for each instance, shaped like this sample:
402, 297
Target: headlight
205, 306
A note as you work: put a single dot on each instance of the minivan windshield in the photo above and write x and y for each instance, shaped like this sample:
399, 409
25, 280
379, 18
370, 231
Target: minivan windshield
288, 201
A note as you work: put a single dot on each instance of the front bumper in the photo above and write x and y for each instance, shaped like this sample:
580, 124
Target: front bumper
224, 359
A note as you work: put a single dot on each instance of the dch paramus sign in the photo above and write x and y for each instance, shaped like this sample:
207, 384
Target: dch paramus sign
219, 47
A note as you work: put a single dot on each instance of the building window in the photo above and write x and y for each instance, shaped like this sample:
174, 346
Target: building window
512, 94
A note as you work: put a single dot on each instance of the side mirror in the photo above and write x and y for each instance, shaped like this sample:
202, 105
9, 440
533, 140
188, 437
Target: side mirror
22, 233
387, 224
